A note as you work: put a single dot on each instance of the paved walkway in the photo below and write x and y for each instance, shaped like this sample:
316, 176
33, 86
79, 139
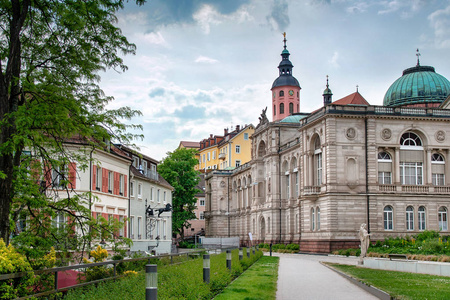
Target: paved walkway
301, 276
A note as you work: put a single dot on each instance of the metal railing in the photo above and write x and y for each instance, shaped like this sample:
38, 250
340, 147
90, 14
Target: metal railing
114, 263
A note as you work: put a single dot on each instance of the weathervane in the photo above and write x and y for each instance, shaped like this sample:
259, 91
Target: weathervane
327, 81
418, 55
284, 34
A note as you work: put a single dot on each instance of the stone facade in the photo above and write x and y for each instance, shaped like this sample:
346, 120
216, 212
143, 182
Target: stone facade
314, 182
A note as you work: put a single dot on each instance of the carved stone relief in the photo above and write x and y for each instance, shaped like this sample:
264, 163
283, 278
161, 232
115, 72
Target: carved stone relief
386, 134
440, 136
350, 133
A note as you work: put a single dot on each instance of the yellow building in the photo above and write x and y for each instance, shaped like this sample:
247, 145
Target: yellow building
235, 148
191, 145
209, 153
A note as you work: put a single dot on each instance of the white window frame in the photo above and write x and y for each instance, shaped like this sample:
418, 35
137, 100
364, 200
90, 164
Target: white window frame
313, 217
202, 202
139, 229
246, 136
131, 224
110, 181
238, 149
201, 216
422, 218
415, 170
144, 166
157, 196
318, 218
121, 184
98, 179
131, 188
388, 218
409, 218
237, 163
151, 194
443, 218
139, 190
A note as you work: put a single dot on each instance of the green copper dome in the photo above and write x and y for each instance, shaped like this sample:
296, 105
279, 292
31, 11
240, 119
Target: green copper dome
419, 85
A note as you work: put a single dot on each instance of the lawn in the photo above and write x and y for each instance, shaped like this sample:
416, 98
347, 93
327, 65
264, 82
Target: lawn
401, 285
258, 282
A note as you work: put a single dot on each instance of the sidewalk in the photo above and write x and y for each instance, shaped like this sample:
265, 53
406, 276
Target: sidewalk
301, 276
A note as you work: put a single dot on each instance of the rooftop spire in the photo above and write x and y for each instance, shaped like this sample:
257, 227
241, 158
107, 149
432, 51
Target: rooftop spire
418, 54
327, 94
284, 34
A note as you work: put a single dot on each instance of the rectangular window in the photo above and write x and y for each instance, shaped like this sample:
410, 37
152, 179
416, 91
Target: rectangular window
151, 194
296, 184
144, 166
388, 220
58, 177
245, 136
110, 181
202, 215
411, 173
438, 179
384, 178
214, 154
287, 187
238, 149
132, 227
136, 162
139, 229
59, 221
209, 156
204, 158
202, 202
131, 188
121, 184
122, 227
164, 199
98, 178
139, 190
319, 169
157, 196
422, 225
409, 220
238, 163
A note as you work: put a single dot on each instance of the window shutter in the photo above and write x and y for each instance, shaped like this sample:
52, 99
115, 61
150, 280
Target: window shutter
104, 180
73, 175
384, 167
47, 174
125, 185
94, 177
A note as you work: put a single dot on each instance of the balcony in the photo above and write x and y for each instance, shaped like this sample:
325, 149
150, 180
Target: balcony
414, 189
222, 156
311, 190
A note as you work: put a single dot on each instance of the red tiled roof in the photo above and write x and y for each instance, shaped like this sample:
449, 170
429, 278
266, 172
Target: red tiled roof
354, 98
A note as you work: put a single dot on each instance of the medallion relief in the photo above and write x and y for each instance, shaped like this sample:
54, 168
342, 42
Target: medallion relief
440, 135
386, 134
350, 133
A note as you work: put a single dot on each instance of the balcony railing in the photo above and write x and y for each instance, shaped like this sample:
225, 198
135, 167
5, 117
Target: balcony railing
311, 190
420, 189
222, 155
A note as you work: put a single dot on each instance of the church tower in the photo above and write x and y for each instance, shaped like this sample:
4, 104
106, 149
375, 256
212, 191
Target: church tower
285, 89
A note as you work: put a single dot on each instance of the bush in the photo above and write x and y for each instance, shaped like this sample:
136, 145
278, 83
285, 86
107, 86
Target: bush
12, 262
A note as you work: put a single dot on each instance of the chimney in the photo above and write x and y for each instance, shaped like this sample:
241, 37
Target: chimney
237, 128
225, 131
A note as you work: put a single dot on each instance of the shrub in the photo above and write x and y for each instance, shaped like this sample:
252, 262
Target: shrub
12, 262
97, 272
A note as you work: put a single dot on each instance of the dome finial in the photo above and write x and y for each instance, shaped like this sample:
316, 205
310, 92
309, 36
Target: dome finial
418, 54
327, 81
357, 86
284, 34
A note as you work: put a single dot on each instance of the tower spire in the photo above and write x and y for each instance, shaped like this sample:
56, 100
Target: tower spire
327, 94
418, 55
284, 40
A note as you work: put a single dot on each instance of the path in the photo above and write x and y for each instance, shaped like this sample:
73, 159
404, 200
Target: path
301, 276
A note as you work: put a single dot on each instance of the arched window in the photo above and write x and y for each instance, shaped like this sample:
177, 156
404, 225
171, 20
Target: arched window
281, 108
442, 217
422, 218
261, 149
317, 162
384, 168
286, 179
411, 159
437, 169
294, 169
409, 218
318, 218
281, 93
291, 108
313, 222
388, 215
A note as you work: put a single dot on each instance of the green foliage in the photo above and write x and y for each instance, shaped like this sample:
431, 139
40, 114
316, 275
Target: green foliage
177, 281
259, 282
51, 54
96, 272
401, 285
178, 169
12, 261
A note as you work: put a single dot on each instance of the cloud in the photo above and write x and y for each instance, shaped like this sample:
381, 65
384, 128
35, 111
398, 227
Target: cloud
440, 22
205, 60
334, 60
156, 92
279, 16
191, 112
407, 8
358, 7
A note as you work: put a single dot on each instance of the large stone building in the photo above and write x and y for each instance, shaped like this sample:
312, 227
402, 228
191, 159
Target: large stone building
314, 178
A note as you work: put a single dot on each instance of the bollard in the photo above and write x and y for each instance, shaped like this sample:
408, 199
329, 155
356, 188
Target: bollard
151, 279
253, 248
206, 268
248, 252
241, 256
270, 249
229, 259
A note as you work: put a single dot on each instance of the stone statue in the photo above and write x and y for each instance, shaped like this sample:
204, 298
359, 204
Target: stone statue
263, 118
364, 237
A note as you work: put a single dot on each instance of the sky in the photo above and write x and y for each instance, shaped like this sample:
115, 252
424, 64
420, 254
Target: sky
205, 65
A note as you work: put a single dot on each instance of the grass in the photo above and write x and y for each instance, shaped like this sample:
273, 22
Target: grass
401, 285
258, 282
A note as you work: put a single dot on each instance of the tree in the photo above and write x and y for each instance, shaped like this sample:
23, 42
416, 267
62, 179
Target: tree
51, 53
178, 169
